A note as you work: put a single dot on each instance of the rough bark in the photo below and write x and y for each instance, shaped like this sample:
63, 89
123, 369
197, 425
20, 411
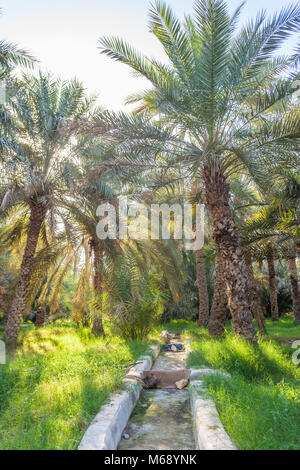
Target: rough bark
40, 316
97, 328
37, 216
272, 284
295, 289
217, 319
254, 297
202, 290
228, 244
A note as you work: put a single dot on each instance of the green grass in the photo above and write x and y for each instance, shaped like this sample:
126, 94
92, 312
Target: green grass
61, 375
284, 329
259, 405
56, 383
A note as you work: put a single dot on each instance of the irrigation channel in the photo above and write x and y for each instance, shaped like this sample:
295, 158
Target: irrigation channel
162, 418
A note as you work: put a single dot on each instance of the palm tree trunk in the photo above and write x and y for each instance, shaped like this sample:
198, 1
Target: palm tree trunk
228, 245
37, 216
40, 316
202, 289
217, 319
272, 284
97, 328
254, 297
295, 289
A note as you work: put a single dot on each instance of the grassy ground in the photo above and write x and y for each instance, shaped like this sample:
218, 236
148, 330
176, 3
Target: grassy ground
61, 375
260, 404
56, 383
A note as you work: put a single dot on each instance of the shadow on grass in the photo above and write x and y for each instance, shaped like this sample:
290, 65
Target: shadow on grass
284, 329
257, 416
259, 405
252, 362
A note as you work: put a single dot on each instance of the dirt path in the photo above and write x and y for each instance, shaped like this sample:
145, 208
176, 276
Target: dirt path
162, 419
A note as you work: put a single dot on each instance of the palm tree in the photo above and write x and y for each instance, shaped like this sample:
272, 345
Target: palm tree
245, 200
83, 211
274, 229
52, 253
219, 108
202, 289
11, 56
272, 283
100, 189
217, 319
41, 169
294, 283
254, 296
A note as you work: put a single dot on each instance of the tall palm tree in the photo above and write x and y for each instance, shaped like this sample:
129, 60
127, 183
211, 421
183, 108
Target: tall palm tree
83, 211
275, 229
11, 56
83, 208
40, 169
272, 283
217, 319
294, 283
52, 252
245, 200
212, 105
254, 296
202, 289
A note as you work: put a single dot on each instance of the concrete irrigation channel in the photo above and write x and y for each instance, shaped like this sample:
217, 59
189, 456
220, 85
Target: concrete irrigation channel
161, 418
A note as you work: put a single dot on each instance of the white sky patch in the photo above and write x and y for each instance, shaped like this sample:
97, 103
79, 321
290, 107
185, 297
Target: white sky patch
63, 35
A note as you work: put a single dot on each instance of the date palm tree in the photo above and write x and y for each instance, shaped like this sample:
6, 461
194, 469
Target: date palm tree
39, 169
276, 229
294, 279
52, 259
211, 104
11, 56
83, 212
217, 319
272, 282
202, 289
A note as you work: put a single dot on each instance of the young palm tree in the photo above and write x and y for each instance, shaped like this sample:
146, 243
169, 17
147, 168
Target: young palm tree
212, 105
41, 170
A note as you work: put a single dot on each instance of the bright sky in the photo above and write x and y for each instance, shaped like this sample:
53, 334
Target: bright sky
63, 35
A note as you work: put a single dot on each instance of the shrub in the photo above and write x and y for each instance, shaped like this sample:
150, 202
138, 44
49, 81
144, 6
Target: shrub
135, 302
